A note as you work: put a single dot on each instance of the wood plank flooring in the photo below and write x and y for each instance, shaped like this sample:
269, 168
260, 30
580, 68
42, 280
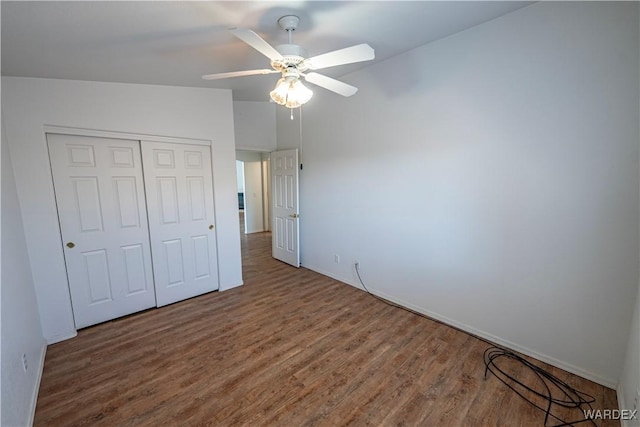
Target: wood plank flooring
289, 348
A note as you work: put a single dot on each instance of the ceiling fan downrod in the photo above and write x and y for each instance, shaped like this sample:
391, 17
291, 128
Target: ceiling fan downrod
289, 23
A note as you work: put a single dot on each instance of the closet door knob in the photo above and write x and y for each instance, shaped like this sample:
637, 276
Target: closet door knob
211, 227
71, 245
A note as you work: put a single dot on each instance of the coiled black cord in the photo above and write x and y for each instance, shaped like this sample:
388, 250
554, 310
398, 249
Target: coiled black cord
571, 398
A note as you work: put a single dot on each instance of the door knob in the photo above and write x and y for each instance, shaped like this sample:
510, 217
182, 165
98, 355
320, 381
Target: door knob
211, 227
71, 245
295, 215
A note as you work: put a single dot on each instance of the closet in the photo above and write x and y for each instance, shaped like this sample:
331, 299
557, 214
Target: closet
136, 221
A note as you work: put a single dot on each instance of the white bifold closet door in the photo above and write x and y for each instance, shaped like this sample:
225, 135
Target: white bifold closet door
179, 191
103, 219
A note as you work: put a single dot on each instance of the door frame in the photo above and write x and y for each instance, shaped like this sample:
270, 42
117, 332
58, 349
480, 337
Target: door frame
64, 130
265, 187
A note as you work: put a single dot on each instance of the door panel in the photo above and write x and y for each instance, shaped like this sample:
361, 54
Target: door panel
181, 212
97, 270
195, 195
168, 197
126, 198
122, 157
173, 259
285, 237
87, 200
101, 207
133, 261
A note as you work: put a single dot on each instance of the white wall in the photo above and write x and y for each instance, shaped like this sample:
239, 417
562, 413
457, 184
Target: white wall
29, 104
289, 130
255, 125
253, 195
519, 139
240, 176
21, 331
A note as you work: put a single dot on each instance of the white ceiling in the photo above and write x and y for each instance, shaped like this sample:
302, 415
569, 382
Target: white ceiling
175, 43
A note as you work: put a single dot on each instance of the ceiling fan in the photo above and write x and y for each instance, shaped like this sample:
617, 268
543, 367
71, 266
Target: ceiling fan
290, 60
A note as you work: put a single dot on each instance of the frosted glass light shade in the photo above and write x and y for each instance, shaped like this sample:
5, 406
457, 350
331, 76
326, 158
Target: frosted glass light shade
298, 94
279, 94
291, 93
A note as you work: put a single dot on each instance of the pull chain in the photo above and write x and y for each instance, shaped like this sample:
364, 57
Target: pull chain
300, 120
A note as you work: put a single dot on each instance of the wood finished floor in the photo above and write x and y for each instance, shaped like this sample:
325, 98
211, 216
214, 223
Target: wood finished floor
289, 348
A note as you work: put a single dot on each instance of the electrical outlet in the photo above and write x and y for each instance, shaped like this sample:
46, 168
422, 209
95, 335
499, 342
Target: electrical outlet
336, 258
25, 364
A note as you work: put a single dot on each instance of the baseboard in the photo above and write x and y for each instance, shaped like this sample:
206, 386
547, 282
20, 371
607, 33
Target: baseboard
333, 276
225, 288
36, 389
622, 402
62, 337
607, 382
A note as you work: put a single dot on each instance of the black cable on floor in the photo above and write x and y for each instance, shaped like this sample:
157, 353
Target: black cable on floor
571, 398
393, 304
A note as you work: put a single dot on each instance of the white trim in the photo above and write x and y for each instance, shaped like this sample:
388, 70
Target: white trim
252, 149
62, 337
215, 219
333, 276
257, 230
226, 288
607, 382
621, 404
123, 135
36, 389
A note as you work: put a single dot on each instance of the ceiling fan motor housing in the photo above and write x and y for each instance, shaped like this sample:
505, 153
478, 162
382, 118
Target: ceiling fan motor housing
293, 56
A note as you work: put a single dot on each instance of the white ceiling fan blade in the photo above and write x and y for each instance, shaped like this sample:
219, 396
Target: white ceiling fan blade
256, 42
348, 55
237, 74
331, 84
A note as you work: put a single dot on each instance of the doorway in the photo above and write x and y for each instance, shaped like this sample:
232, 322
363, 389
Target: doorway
253, 178
240, 185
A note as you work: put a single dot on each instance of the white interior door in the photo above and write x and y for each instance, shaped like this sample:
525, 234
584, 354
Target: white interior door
179, 188
285, 229
101, 207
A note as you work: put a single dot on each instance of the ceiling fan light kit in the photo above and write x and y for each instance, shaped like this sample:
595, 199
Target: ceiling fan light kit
291, 93
290, 60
